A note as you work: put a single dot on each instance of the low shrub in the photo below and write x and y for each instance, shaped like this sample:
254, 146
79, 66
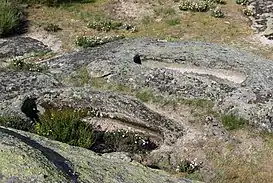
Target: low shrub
66, 126
121, 140
86, 42
199, 6
195, 6
217, 13
248, 12
21, 64
52, 27
185, 6
217, 1
107, 25
11, 17
188, 166
242, 2
54, 2
104, 25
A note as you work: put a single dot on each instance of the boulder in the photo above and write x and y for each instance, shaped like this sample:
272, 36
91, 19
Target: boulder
18, 46
27, 157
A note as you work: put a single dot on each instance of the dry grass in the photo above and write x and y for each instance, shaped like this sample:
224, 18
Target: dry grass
238, 170
246, 157
164, 21
202, 26
248, 160
72, 19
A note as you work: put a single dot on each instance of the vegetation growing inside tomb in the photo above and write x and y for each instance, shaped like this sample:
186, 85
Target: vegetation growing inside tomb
66, 126
122, 140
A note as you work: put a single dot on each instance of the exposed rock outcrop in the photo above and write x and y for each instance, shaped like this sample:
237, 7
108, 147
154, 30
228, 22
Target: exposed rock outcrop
235, 81
27, 157
262, 19
18, 46
249, 96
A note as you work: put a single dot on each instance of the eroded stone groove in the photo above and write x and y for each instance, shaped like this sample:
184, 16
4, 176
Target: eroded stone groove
236, 81
232, 76
252, 73
117, 107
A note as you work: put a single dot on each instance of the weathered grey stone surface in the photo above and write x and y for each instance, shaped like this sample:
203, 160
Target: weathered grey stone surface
250, 98
262, 19
234, 80
28, 158
16, 83
101, 104
114, 106
18, 46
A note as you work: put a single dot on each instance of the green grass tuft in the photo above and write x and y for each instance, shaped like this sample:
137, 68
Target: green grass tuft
146, 20
10, 17
93, 41
145, 95
66, 126
23, 65
233, 122
164, 11
173, 21
81, 77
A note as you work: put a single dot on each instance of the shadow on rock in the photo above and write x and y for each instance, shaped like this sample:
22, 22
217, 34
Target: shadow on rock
59, 161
